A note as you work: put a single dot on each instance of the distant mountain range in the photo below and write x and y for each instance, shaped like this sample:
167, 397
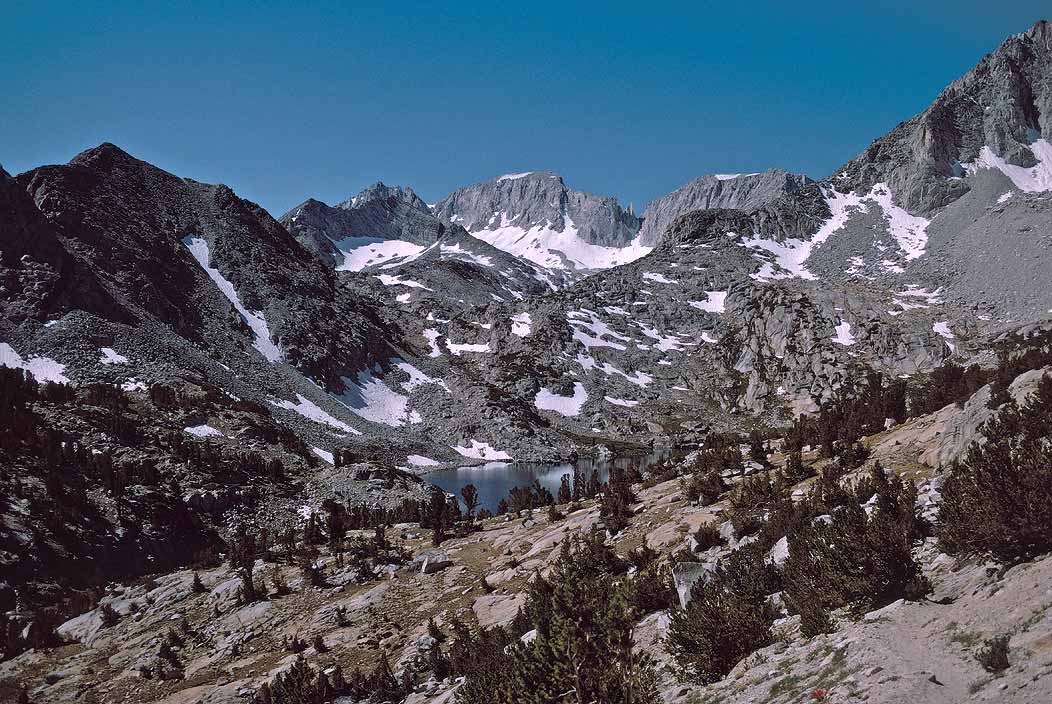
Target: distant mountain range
520, 318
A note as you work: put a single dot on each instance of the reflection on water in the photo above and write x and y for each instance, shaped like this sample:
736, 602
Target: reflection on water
494, 480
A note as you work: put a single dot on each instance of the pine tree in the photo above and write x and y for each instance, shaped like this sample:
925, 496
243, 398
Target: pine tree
471, 500
565, 492
726, 618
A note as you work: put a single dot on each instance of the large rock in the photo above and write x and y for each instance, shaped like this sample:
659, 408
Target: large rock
686, 574
431, 561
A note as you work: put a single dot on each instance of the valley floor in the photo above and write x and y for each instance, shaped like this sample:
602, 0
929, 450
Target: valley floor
907, 651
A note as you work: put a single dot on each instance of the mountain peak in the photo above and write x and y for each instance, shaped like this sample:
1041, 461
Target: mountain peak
103, 156
381, 191
746, 192
993, 113
534, 214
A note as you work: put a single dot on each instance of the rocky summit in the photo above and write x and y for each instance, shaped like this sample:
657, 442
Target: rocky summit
779, 439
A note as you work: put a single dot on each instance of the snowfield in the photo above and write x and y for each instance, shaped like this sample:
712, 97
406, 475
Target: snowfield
555, 249
481, 451
361, 252
1032, 179
568, 406
368, 397
310, 410
41, 368
255, 320
110, 356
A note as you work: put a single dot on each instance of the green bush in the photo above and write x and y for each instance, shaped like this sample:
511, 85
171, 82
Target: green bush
857, 559
727, 618
999, 499
994, 655
584, 618
708, 536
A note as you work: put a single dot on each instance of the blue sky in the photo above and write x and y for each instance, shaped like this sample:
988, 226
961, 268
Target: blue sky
286, 101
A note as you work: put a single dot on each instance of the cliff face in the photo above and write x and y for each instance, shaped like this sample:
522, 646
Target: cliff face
747, 192
994, 115
536, 216
379, 212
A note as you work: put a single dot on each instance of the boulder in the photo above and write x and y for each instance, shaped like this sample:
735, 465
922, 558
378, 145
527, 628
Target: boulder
432, 561
686, 574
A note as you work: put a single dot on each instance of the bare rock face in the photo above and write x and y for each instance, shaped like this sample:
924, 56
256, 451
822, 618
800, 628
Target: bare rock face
539, 198
747, 192
379, 212
1004, 103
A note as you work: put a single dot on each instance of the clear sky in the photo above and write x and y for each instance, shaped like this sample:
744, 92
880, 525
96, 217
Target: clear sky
284, 101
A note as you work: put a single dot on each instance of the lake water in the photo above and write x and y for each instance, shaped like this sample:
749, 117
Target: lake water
494, 480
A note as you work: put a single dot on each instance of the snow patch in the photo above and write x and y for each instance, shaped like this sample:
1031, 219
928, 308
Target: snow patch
41, 368
909, 231
391, 280
370, 398
481, 451
310, 410
715, 302
362, 252
521, 324
664, 343
589, 364
658, 278
556, 249
110, 356
324, 454
421, 461
843, 334
942, 329
1030, 179
133, 384
620, 402
587, 321
417, 378
255, 320
432, 335
458, 252
458, 350
202, 431
729, 177
564, 405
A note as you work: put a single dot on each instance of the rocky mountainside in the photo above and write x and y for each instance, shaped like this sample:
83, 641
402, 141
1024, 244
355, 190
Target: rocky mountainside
747, 192
394, 216
536, 216
191, 635
997, 116
187, 364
